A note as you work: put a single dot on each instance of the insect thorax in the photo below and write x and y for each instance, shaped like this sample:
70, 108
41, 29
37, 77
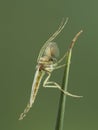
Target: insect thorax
46, 63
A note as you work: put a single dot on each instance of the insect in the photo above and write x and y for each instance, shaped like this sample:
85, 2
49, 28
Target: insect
46, 63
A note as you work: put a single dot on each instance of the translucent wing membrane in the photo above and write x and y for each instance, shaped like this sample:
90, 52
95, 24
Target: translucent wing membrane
62, 25
52, 50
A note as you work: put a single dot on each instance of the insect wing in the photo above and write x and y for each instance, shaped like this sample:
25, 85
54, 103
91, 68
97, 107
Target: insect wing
52, 50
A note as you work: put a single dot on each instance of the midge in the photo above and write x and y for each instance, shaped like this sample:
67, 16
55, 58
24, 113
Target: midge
46, 63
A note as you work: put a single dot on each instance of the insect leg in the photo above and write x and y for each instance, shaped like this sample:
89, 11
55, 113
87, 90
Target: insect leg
60, 66
62, 25
52, 84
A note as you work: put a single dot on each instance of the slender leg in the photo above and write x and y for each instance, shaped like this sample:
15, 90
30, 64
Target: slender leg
52, 84
60, 60
60, 66
62, 25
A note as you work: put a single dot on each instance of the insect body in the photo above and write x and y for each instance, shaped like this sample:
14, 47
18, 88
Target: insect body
47, 62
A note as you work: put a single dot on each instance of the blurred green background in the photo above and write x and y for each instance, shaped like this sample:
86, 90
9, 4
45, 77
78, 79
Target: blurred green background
24, 27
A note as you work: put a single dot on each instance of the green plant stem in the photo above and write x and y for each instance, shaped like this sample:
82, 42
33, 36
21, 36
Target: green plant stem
61, 111
62, 101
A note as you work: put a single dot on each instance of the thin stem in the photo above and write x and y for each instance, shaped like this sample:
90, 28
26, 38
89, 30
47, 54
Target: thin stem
62, 101
61, 111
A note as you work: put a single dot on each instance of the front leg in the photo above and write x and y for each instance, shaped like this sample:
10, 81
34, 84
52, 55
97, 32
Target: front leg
52, 84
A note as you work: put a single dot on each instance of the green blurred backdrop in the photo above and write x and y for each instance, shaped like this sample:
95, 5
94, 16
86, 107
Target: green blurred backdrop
24, 26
